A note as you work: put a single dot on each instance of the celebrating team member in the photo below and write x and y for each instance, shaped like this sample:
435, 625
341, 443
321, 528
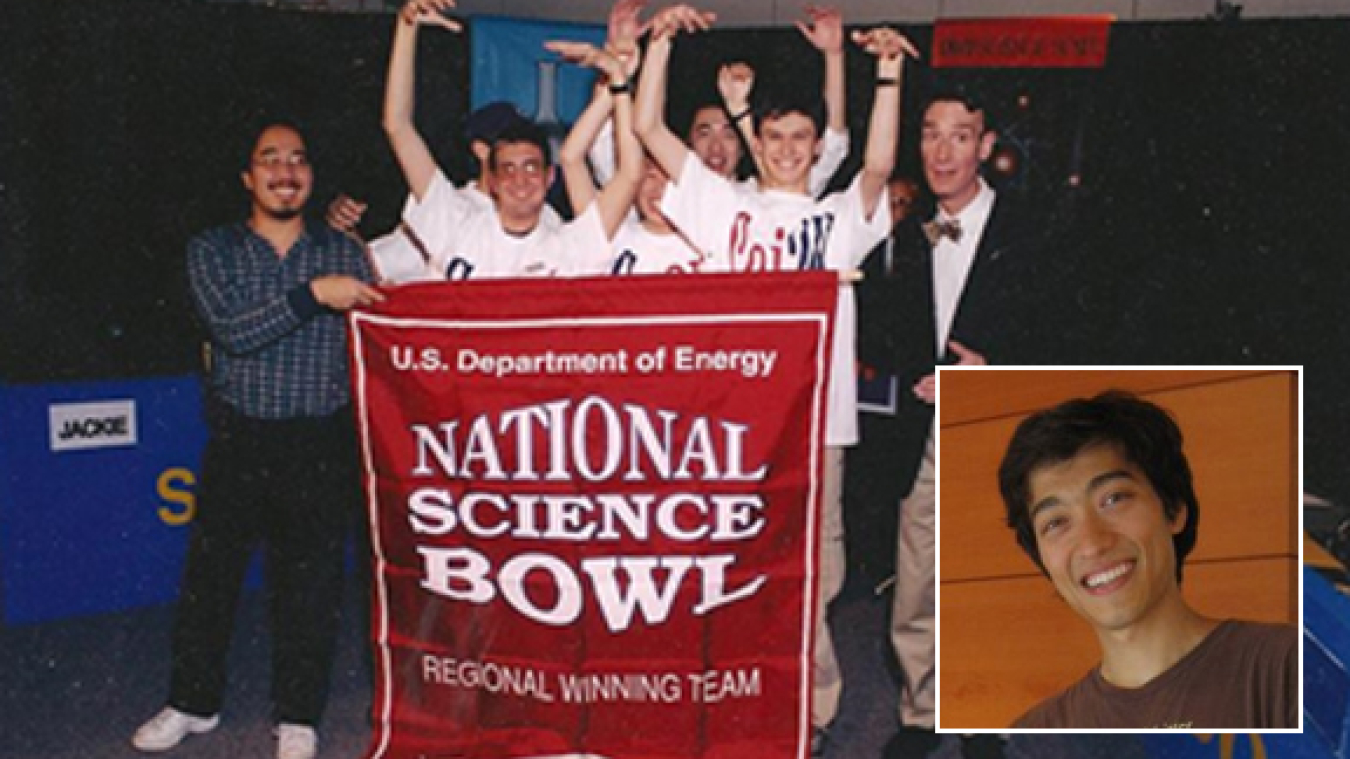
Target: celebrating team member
399, 256
460, 239
824, 29
780, 226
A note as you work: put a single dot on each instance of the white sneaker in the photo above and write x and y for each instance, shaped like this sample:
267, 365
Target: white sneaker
168, 729
296, 741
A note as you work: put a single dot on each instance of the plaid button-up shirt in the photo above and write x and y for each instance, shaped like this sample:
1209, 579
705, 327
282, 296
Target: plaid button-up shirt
277, 353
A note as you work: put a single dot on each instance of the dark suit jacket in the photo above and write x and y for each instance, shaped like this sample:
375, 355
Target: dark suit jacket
1001, 313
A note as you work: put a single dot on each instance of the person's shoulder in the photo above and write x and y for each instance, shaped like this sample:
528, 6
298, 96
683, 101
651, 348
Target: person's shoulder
695, 176
1265, 638
583, 225
1061, 711
1015, 219
549, 216
217, 240
1047, 715
325, 236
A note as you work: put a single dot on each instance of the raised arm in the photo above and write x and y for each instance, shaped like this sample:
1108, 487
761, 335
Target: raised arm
735, 83
581, 189
883, 130
624, 31
649, 117
824, 29
825, 32
414, 157
614, 200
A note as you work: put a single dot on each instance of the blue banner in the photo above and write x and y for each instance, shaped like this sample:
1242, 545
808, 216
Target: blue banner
510, 63
97, 484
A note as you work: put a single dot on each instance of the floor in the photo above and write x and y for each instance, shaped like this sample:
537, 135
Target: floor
77, 690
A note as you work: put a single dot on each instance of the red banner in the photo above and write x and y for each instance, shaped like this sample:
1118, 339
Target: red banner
592, 506
1055, 42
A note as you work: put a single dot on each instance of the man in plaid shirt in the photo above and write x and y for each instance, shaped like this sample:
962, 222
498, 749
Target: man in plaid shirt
280, 467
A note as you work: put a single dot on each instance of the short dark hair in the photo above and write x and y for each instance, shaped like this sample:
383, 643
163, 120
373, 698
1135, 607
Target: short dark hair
782, 100
523, 131
254, 131
1142, 432
698, 108
969, 96
488, 121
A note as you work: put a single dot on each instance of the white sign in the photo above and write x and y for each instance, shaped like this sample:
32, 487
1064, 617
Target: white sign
102, 424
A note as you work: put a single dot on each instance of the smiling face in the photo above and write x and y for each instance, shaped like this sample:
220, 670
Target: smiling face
279, 177
788, 145
519, 178
1105, 539
714, 140
954, 143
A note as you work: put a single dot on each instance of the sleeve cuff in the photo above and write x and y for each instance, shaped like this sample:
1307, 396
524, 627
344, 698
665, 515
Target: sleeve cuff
303, 303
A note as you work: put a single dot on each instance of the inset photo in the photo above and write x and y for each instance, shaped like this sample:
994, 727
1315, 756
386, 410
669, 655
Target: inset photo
1119, 549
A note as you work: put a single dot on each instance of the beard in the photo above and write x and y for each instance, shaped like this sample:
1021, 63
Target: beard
285, 213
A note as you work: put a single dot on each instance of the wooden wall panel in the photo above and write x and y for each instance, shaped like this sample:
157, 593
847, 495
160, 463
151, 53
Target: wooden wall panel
975, 394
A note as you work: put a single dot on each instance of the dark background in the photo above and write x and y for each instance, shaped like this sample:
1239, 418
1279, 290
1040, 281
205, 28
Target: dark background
1211, 157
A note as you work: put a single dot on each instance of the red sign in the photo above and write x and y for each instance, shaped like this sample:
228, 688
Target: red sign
592, 504
1062, 42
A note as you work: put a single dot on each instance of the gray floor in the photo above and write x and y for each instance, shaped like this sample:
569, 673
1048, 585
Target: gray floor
78, 689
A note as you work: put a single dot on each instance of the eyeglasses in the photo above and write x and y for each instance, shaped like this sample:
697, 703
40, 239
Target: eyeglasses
274, 161
529, 168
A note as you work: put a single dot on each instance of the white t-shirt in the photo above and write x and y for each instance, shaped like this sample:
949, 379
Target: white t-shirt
464, 241
774, 230
397, 259
401, 257
639, 251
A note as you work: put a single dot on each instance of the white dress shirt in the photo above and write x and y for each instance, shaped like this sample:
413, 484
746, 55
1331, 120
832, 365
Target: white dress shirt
952, 261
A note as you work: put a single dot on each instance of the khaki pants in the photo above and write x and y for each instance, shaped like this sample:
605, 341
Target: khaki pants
912, 611
827, 682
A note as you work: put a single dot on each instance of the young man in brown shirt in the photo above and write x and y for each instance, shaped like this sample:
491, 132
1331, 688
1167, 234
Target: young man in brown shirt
1100, 495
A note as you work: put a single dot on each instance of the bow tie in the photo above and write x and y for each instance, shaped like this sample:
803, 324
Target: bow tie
937, 229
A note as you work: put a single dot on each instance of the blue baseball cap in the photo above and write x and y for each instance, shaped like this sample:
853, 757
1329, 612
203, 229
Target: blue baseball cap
491, 120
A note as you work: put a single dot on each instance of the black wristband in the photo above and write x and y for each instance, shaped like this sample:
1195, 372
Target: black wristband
619, 89
887, 81
741, 115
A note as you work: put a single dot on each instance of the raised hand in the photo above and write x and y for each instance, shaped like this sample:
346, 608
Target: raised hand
676, 18
590, 56
885, 43
823, 28
430, 13
735, 82
626, 26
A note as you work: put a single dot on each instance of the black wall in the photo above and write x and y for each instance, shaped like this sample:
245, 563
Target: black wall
1208, 217
125, 127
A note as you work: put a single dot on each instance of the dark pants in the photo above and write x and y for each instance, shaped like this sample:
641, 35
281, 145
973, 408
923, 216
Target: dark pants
290, 486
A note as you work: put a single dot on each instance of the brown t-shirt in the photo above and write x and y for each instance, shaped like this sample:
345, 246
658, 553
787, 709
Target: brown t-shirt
1243, 675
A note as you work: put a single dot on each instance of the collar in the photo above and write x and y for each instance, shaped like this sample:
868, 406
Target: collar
973, 217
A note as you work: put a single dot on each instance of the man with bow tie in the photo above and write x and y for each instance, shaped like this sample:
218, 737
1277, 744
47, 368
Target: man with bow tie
960, 294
